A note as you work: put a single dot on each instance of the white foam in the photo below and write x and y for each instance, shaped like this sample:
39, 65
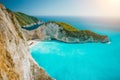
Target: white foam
108, 42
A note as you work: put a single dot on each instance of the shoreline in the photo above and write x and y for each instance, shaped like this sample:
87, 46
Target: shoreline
32, 43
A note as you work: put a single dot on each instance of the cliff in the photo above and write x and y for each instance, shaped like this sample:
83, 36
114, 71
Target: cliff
64, 32
16, 62
24, 19
33, 28
33, 34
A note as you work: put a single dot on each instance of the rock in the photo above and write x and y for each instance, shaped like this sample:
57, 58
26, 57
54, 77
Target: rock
54, 31
16, 62
70, 35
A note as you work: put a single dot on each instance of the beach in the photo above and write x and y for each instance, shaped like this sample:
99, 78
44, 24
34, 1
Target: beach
32, 43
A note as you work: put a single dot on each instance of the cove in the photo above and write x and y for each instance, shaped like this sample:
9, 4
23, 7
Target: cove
89, 61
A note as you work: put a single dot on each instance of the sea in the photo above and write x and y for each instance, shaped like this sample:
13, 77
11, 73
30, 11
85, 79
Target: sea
88, 61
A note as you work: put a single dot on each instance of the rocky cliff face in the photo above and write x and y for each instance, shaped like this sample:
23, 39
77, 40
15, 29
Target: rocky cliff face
33, 34
16, 62
67, 33
55, 30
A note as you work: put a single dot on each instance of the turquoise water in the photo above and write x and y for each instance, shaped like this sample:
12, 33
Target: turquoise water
90, 61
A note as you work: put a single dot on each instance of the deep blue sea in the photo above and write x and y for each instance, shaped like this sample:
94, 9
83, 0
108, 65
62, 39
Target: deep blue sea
89, 61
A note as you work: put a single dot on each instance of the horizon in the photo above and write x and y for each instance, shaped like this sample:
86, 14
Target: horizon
76, 8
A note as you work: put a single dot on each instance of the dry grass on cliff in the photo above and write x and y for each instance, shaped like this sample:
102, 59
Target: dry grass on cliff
6, 63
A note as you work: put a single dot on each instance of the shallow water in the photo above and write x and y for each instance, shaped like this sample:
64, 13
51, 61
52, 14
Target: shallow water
90, 61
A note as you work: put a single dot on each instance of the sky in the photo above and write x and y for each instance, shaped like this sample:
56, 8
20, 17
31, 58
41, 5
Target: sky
91, 8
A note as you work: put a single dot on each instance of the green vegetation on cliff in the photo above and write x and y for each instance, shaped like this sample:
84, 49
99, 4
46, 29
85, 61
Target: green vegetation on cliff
69, 30
24, 19
67, 26
83, 34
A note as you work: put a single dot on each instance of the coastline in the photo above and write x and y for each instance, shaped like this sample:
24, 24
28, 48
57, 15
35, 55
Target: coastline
32, 43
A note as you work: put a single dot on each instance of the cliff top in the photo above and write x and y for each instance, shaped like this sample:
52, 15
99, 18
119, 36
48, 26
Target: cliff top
25, 20
2, 6
67, 26
76, 33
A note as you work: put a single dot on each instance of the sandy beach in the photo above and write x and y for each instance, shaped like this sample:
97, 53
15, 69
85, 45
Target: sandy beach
32, 43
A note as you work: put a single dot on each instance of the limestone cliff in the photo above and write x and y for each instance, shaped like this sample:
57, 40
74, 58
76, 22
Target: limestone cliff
66, 33
33, 34
33, 28
63, 32
16, 62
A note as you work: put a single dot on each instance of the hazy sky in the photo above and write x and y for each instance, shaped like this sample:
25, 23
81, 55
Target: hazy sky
99, 8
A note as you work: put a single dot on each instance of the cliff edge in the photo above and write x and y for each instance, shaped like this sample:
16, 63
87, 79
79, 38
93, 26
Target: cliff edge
64, 32
16, 62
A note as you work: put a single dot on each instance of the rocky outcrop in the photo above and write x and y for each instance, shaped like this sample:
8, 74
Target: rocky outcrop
16, 62
33, 34
33, 28
63, 32
66, 33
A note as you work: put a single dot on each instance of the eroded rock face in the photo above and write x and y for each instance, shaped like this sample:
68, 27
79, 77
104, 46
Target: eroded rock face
32, 34
16, 62
53, 31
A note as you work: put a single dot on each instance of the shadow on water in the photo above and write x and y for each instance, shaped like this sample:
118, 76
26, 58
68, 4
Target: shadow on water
33, 27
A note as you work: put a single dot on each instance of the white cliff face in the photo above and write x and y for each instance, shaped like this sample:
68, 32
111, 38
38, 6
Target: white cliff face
16, 62
32, 34
53, 31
